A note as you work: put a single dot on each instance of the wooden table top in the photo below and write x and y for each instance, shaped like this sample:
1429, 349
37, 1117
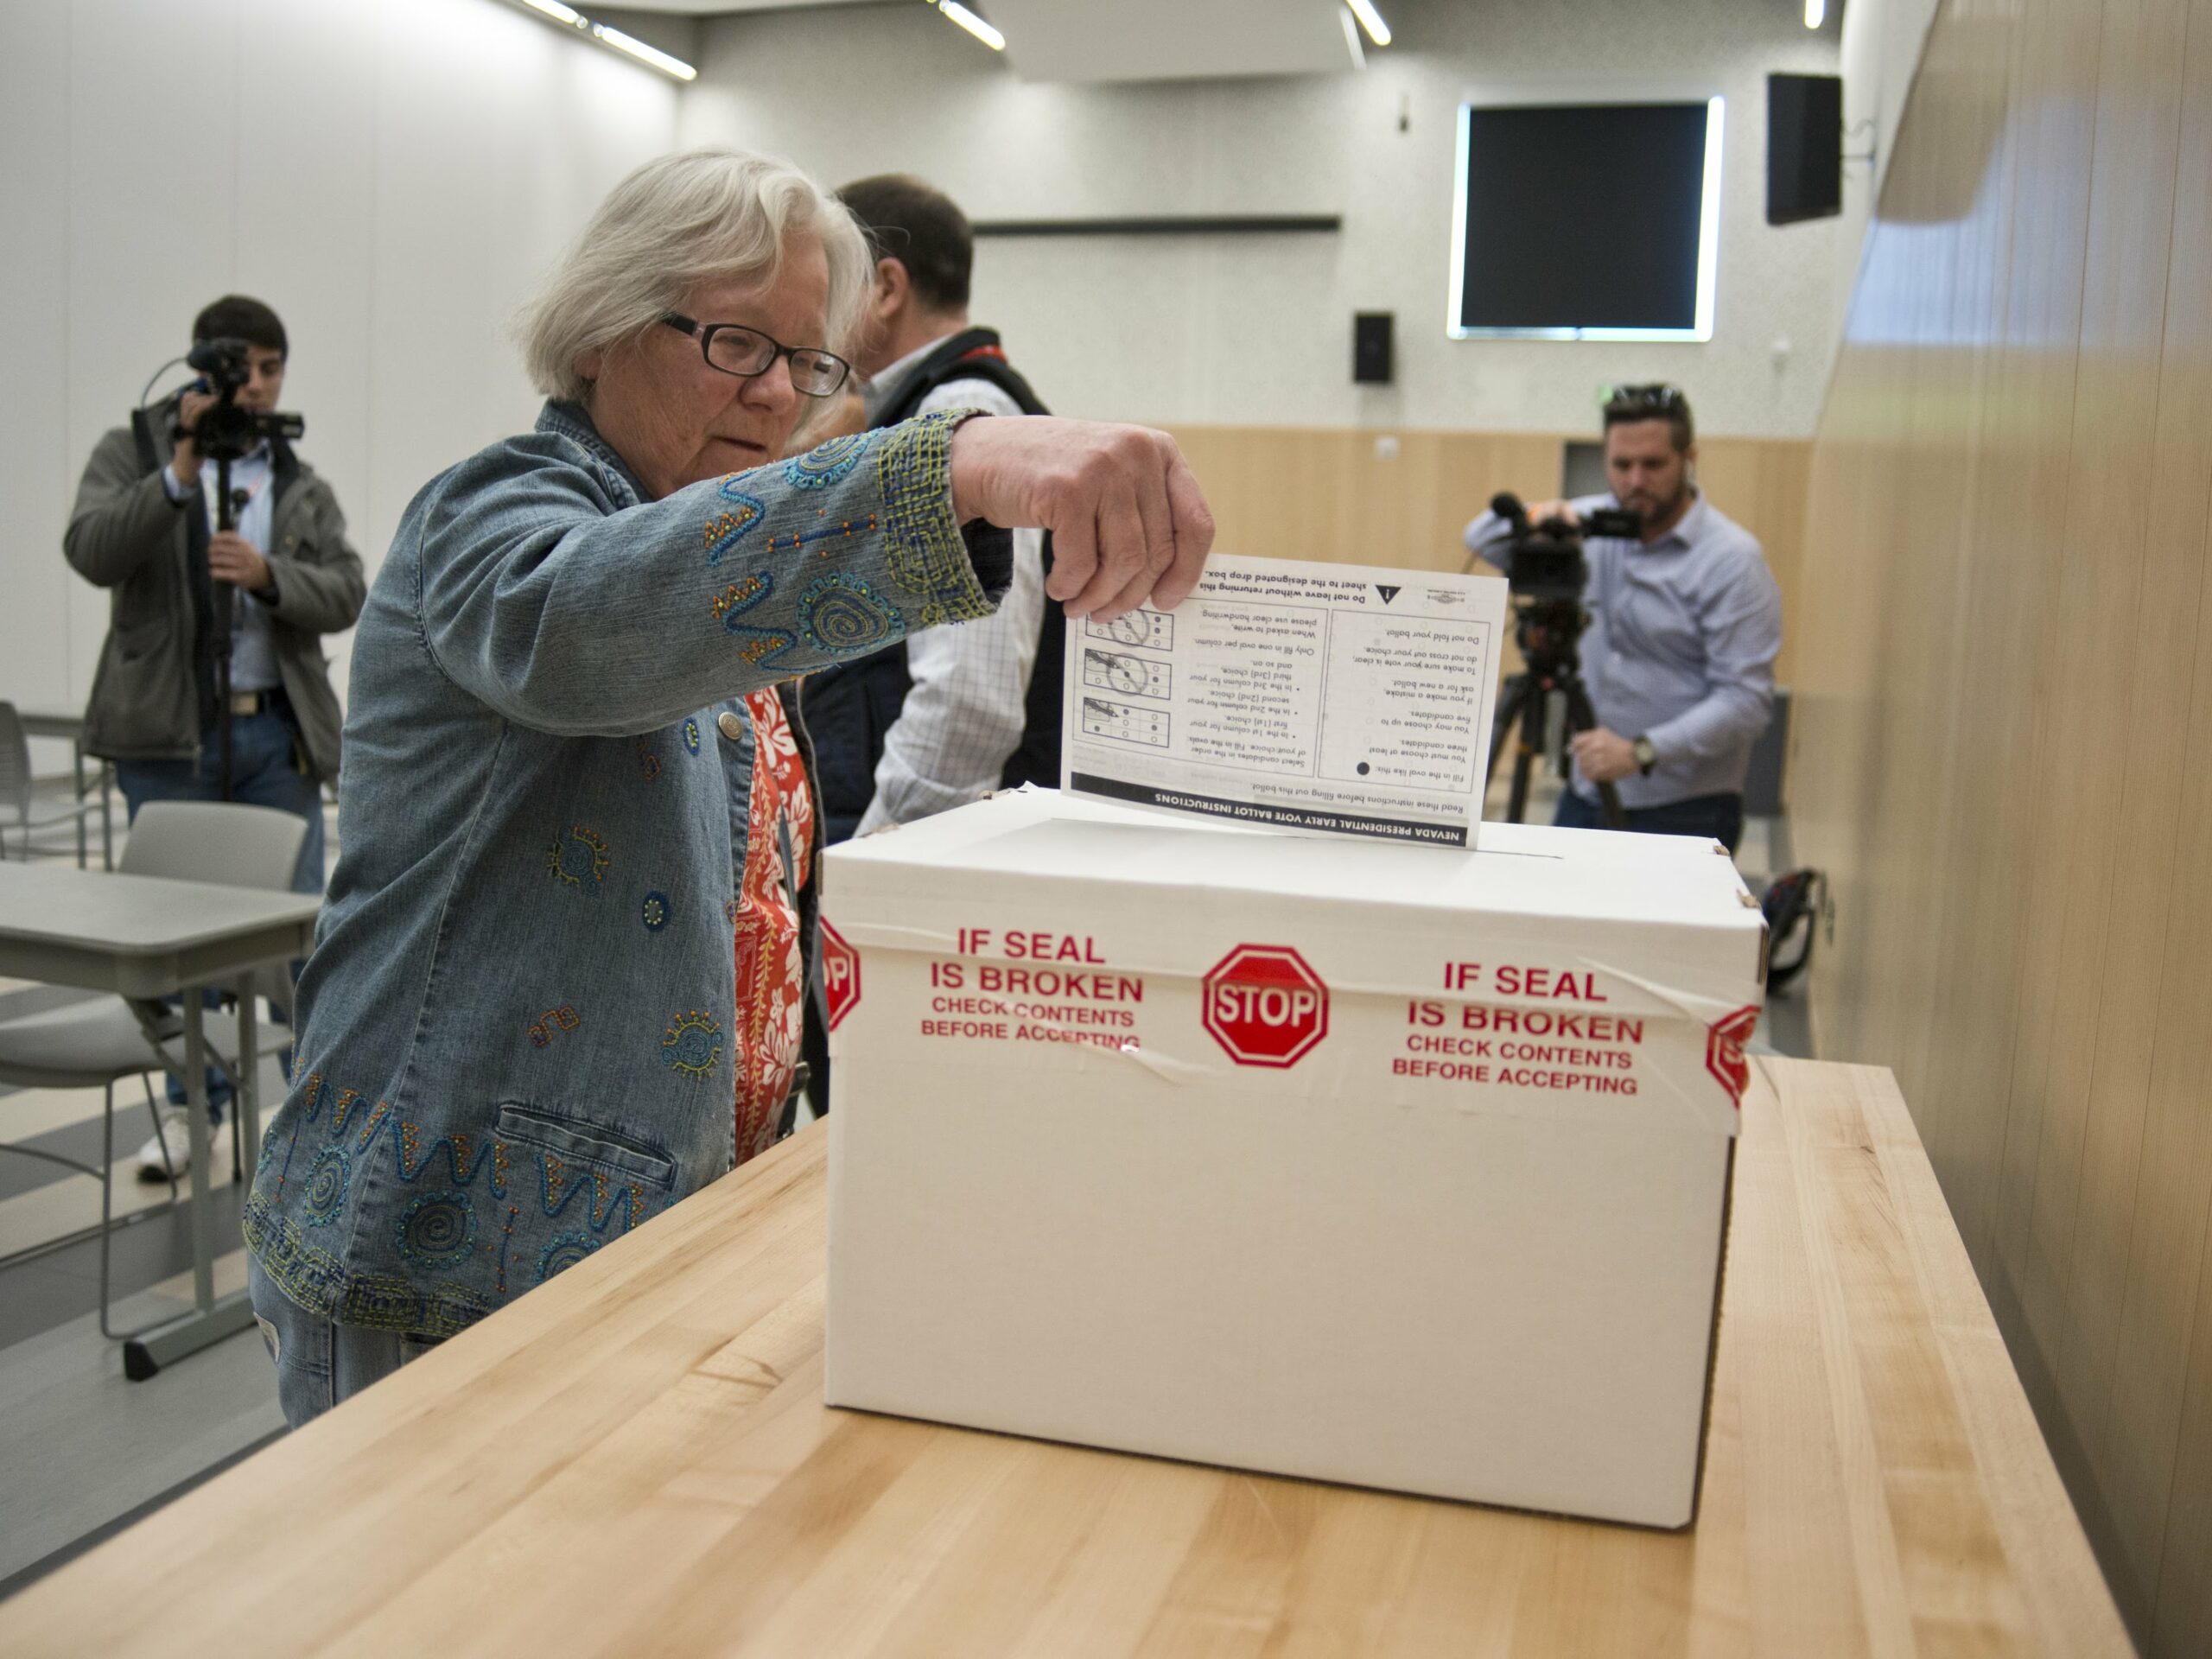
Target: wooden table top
637, 1458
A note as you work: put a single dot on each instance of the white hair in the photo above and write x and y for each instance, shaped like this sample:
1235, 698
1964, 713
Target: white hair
700, 216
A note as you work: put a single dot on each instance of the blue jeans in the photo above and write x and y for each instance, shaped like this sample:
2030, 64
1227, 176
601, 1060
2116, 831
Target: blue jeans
265, 772
320, 1364
1719, 817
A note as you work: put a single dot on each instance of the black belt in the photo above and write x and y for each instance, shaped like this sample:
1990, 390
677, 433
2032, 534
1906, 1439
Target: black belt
257, 703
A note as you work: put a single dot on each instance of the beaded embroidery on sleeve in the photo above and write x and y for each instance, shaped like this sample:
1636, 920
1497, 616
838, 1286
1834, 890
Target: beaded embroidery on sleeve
925, 554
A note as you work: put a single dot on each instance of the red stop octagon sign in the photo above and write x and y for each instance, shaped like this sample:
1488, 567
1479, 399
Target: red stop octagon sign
840, 975
1724, 1051
1265, 1005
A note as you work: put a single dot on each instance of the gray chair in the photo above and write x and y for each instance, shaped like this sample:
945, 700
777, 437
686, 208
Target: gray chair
18, 788
97, 1043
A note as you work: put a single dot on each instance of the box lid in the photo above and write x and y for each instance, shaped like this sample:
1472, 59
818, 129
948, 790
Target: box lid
1665, 921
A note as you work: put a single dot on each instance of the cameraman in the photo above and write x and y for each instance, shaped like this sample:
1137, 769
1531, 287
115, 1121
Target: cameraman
1684, 627
143, 528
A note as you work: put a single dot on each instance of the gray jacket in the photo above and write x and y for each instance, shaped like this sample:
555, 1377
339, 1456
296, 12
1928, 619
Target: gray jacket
125, 534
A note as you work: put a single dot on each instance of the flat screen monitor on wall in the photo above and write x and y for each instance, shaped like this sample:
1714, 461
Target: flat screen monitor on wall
1585, 221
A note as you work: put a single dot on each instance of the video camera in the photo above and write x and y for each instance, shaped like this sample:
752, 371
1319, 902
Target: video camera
225, 432
1547, 559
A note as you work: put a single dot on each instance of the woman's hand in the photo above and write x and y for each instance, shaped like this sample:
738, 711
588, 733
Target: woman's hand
1129, 523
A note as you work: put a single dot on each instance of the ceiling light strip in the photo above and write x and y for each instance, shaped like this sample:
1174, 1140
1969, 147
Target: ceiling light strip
1372, 20
667, 64
567, 19
1351, 39
975, 25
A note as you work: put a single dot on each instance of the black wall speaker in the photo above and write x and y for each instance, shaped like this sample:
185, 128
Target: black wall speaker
1804, 147
1371, 364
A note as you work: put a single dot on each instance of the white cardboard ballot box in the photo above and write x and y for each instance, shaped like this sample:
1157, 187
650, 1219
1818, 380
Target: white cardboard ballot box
1401, 1166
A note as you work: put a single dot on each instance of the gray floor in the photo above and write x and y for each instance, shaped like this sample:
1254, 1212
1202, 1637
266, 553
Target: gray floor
84, 1447
85, 1451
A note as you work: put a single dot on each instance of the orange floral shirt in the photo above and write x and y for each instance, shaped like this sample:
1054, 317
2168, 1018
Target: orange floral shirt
771, 959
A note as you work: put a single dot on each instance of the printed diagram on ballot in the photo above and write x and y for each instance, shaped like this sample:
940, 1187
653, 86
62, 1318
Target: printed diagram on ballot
1317, 698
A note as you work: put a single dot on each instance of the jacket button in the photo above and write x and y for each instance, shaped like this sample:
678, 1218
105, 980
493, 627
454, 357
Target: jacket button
732, 726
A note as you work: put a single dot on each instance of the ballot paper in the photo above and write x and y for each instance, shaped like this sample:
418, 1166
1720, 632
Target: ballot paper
1329, 699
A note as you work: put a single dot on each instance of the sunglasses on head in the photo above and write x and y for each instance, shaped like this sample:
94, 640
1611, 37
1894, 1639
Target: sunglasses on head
1658, 398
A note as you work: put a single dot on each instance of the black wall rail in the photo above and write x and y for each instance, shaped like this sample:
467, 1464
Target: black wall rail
1196, 225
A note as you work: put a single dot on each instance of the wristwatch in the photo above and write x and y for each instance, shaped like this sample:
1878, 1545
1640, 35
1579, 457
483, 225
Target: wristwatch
1646, 756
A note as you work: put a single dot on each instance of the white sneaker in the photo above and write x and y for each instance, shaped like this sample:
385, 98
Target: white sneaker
175, 1130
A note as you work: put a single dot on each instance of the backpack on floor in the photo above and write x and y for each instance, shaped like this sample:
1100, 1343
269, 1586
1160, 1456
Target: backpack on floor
1792, 910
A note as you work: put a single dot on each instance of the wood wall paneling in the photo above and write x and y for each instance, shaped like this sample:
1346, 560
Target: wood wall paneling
2004, 660
1326, 493
2160, 1387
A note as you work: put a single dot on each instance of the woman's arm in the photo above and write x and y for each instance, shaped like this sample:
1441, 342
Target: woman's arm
567, 616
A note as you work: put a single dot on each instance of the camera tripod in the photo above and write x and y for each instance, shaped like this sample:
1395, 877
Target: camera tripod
226, 432
1547, 631
228, 504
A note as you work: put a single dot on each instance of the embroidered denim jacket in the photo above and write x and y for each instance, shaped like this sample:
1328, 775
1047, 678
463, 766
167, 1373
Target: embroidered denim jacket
515, 1027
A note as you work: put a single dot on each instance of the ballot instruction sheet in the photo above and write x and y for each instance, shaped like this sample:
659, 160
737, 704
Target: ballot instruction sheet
1329, 699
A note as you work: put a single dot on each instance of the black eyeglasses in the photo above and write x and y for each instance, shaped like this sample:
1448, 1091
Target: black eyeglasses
745, 352
1658, 398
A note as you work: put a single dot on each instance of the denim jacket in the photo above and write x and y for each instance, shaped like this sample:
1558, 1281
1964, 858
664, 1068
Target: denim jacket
516, 1025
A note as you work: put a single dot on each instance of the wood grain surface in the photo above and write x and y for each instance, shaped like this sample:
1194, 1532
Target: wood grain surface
636, 1458
2003, 727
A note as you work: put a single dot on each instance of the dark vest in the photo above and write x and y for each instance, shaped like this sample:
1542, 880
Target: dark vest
850, 706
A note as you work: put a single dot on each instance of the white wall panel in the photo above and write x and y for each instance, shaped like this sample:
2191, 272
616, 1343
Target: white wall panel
152, 137
306, 174
391, 178
442, 376
34, 427
1258, 330
1880, 45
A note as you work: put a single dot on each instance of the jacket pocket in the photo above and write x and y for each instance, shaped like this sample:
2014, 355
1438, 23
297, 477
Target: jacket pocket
572, 1185
137, 641
576, 1141
142, 702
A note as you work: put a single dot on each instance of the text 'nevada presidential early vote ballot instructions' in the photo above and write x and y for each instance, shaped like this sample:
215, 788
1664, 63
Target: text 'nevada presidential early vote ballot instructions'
1318, 698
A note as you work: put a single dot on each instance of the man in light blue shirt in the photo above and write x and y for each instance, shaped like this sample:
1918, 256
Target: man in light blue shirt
1685, 624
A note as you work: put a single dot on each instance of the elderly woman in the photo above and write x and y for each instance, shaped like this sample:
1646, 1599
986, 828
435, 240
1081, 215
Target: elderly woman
556, 985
